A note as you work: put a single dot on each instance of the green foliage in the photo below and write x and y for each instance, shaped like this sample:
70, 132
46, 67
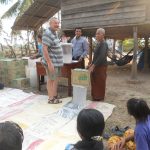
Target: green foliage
5, 1
1, 27
11, 11
128, 44
17, 9
24, 6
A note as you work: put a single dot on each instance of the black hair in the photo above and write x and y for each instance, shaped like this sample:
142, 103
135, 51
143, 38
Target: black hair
78, 28
138, 108
90, 122
11, 136
39, 36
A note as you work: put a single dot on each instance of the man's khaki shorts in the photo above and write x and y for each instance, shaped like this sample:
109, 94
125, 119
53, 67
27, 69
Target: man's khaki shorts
53, 76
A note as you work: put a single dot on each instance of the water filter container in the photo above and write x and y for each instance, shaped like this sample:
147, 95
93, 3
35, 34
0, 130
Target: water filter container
67, 52
79, 95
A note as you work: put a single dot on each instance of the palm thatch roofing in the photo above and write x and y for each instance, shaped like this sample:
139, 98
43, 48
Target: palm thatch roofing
37, 14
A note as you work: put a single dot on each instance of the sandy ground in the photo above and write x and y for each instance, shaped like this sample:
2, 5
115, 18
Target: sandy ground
118, 90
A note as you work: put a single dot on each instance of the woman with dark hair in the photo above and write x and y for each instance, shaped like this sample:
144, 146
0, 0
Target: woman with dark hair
11, 136
139, 109
90, 126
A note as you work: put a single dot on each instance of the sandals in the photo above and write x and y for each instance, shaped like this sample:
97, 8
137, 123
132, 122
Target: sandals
115, 131
119, 131
54, 101
58, 97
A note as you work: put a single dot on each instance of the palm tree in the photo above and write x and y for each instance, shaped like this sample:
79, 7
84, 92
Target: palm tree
1, 27
17, 9
4, 1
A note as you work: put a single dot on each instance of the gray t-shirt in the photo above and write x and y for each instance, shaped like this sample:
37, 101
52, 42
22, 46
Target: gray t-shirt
100, 54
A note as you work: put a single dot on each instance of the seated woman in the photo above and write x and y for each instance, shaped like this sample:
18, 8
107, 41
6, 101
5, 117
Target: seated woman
139, 109
90, 126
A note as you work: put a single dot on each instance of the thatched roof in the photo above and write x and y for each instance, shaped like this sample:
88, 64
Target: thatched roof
37, 14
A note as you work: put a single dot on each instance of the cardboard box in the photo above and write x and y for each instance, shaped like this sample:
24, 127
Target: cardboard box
80, 77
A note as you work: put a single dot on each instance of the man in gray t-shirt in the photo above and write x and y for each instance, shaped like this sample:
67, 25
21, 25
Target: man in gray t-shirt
52, 59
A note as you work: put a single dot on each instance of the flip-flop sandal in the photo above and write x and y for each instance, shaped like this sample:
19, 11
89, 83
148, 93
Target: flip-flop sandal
117, 131
54, 101
126, 128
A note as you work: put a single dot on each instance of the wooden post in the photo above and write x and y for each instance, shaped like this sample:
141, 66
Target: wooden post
28, 45
134, 62
146, 68
121, 47
90, 50
35, 38
114, 50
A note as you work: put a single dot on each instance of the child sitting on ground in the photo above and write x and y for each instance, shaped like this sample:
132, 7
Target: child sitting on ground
90, 126
11, 136
139, 109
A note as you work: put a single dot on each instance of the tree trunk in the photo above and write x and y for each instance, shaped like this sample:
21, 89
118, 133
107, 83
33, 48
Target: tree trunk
2, 47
